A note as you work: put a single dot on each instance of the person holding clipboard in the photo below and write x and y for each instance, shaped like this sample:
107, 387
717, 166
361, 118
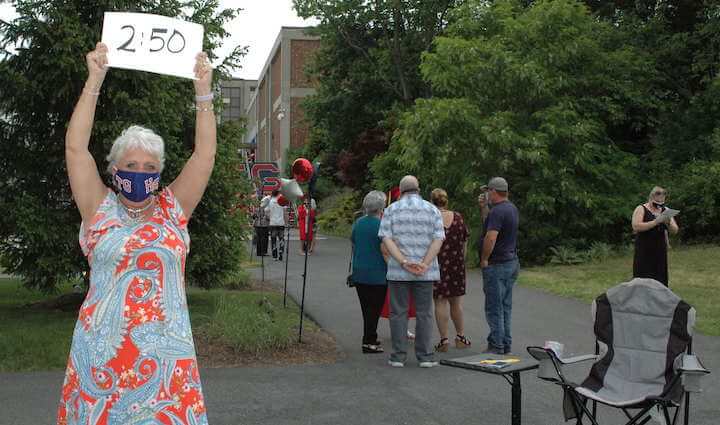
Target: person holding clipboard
651, 223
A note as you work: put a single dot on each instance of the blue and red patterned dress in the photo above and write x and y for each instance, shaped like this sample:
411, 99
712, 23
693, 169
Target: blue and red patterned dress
132, 359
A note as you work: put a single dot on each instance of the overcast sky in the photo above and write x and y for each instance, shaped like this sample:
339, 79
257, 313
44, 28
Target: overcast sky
257, 27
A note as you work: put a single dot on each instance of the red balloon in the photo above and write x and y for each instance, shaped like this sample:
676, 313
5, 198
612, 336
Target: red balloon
302, 170
283, 201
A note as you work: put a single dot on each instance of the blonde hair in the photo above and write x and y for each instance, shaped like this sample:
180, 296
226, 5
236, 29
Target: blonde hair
651, 196
439, 198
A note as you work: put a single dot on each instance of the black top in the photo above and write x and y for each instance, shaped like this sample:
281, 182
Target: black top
651, 251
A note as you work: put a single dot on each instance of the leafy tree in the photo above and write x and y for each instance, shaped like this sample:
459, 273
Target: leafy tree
39, 86
539, 95
367, 70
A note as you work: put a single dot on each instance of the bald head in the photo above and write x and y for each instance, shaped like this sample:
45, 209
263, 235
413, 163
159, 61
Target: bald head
409, 184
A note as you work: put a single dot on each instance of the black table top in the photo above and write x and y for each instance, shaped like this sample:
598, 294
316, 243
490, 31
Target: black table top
474, 363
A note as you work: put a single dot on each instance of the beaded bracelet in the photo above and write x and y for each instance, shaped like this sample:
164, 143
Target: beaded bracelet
92, 93
208, 108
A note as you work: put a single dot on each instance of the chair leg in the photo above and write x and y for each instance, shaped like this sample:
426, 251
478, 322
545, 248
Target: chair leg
585, 409
641, 415
666, 414
594, 410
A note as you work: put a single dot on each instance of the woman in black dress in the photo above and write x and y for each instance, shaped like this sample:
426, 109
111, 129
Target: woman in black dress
449, 291
651, 237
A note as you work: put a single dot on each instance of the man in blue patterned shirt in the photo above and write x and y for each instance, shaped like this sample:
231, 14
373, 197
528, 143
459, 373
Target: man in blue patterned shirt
412, 231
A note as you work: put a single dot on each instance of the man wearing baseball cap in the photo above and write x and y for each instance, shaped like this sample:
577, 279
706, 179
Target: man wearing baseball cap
500, 264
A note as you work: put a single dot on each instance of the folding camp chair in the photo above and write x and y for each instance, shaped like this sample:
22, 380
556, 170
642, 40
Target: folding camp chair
643, 362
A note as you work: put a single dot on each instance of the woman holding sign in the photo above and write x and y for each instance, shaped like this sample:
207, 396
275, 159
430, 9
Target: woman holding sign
132, 357
651, 223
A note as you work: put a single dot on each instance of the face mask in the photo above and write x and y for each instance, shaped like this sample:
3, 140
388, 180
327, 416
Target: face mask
136, 187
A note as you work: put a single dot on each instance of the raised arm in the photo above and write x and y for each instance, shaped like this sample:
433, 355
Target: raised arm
190, 185
87, 187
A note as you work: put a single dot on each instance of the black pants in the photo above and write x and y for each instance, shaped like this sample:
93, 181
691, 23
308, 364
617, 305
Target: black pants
261, 240
277, 232
372, 298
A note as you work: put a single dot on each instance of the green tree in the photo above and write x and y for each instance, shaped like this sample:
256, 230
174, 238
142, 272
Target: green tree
39, 85
367, 70
541, 95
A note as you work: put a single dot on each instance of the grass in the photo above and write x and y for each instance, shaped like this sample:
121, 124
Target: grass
693, 276
245, 321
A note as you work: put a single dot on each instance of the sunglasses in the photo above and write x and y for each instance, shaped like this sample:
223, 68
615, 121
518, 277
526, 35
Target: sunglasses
659, 193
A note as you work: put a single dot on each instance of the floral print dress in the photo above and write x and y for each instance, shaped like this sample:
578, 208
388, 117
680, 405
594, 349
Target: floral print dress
132, 359
452, 260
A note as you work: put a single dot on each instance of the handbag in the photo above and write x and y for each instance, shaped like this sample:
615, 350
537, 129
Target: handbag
349, 280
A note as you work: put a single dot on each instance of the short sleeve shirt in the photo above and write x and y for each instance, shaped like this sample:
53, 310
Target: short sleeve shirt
413, 224
275, 212
369, 266
503, 218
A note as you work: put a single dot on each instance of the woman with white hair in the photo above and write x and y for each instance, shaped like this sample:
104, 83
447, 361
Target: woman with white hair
132, 357
651, 237
369, 268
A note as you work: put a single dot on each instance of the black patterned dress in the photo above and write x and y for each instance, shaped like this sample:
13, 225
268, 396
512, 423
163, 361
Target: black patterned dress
452, 260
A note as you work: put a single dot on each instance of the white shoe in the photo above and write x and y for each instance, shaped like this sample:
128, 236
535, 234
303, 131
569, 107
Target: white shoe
410, 335
428, 365
396, 364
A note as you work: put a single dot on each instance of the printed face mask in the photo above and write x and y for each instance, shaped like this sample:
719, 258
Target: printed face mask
136, 187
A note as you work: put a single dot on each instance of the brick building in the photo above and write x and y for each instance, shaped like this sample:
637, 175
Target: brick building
275, 115
236, 96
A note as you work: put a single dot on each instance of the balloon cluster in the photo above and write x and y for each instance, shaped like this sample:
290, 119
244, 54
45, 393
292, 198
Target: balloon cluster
302, 170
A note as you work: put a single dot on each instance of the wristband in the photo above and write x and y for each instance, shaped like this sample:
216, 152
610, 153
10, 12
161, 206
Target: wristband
205, 98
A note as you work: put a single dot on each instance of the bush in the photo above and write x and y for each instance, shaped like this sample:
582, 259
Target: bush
599, 251
565, 255
39, 223
338, 213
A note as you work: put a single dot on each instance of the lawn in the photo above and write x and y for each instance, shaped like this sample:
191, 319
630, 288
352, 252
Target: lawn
693, 276
246, 323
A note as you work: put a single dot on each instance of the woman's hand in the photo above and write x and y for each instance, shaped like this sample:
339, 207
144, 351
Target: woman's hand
97, 66
203, 73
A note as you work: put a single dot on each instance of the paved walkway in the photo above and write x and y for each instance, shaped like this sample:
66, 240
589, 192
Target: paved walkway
362, 389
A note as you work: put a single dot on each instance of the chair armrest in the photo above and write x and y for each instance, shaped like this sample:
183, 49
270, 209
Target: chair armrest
578, 359
550, 365
690, 363
691, 370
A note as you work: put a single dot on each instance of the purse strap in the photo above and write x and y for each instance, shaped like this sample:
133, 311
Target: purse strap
352, 253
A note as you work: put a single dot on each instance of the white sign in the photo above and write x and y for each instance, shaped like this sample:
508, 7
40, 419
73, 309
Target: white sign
152, 43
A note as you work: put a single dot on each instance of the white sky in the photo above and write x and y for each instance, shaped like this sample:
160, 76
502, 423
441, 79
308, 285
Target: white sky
257, 27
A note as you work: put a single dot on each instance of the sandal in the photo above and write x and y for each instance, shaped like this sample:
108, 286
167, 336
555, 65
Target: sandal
462, 342
372, 349
443, 346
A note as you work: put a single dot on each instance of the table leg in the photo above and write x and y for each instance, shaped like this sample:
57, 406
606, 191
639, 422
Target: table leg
516, 399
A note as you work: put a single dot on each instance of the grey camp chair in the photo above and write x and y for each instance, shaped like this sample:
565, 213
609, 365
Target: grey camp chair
643, 357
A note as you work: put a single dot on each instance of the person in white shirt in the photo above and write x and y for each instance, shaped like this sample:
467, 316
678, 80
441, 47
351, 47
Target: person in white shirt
276, 214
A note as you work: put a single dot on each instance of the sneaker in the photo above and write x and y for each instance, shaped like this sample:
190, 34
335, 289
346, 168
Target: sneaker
410, 335
428, 365
507, 350
396, 364
372, 349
